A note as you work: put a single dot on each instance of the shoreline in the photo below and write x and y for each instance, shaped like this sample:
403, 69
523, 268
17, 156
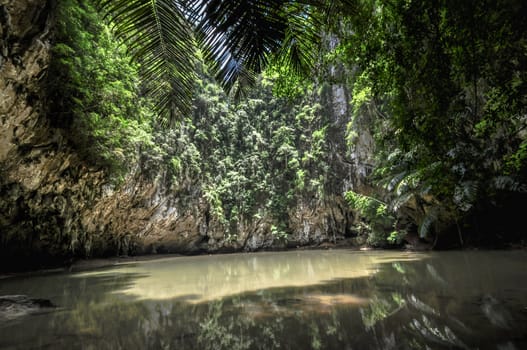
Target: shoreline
79, 265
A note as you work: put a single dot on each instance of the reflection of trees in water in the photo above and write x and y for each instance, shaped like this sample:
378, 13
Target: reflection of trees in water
217, 332
129, 325
410, 306
103, 327
406, 305
444, 304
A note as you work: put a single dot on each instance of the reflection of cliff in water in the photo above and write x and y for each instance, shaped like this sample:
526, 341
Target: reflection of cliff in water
446, 301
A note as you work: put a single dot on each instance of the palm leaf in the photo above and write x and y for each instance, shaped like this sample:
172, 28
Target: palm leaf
430, 218
401, 201
160, 38
237, 37
240, 36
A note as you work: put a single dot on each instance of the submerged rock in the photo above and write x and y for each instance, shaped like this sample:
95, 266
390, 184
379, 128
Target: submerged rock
15, 306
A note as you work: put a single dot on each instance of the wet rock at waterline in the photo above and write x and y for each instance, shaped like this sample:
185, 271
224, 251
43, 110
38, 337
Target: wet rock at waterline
16, 306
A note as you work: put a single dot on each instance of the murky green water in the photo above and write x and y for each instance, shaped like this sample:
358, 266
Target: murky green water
290, 300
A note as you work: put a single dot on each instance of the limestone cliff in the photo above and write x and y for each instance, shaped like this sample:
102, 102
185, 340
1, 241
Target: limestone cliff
54, 206
44, 187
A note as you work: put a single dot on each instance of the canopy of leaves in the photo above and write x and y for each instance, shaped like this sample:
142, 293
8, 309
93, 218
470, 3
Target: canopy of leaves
239, 38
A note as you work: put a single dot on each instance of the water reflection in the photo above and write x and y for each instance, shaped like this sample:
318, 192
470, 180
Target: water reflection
205, 278
305, 300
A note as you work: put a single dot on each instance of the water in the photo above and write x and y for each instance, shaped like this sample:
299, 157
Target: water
288, 300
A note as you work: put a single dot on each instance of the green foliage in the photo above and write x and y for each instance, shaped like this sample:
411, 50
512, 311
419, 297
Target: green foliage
237, 39
286, 82
249, 161
159, 36
445, 83
369, 207
378, 218
396, 237
94, 90
278, 232
261, 156
516, 163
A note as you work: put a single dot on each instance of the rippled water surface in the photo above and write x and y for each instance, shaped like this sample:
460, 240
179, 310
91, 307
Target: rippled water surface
288, 300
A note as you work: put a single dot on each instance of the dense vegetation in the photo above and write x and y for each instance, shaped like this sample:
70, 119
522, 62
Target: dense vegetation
249, 160
444, 85
95, 90
447, 83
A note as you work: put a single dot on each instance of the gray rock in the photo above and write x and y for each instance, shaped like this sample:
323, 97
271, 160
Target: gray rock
16, 306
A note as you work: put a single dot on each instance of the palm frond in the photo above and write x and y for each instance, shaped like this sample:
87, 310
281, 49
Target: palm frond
396, 179
401, 201
300, 45
429, 219
238, 39
240, 36
160, 38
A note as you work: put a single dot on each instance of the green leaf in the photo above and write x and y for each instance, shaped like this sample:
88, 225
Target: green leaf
160, 37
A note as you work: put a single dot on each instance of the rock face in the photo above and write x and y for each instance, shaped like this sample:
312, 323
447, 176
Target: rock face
144, 217
16, 306
25, 139
44, 187
53, 206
